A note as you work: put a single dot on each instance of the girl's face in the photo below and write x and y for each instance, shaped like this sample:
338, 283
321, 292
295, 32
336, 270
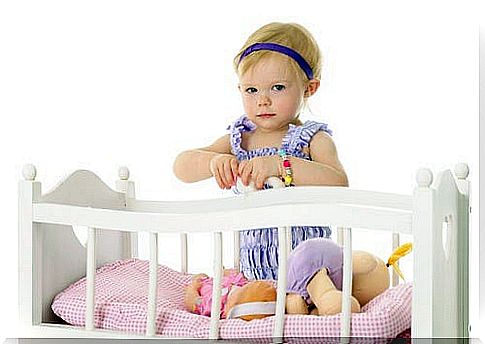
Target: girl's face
271, 93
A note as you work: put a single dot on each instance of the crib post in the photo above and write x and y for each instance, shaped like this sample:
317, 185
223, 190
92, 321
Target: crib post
123, 185
422, 324
461, 172
30, 253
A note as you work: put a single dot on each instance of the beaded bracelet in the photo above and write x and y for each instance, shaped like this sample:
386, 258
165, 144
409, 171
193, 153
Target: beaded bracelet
288, 177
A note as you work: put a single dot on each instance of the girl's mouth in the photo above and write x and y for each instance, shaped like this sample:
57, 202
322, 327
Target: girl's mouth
266, 115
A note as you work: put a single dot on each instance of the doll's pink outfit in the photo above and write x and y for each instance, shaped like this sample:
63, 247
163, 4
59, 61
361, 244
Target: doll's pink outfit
204, 303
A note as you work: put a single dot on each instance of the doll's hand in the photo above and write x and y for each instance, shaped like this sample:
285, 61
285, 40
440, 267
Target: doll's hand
192, 295
197, 280
259, 169
224, 169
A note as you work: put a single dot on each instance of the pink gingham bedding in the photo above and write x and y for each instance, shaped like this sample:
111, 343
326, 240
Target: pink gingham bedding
121, 305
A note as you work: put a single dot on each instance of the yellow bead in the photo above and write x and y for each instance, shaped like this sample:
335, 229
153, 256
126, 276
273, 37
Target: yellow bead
288, 180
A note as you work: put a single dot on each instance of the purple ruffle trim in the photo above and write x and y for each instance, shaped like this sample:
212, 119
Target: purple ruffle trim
293, 142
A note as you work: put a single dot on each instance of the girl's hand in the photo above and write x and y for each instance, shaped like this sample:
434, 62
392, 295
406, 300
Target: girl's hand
224, 169
259, 169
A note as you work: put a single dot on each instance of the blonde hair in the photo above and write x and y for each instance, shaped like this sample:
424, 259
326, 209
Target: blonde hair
293, 36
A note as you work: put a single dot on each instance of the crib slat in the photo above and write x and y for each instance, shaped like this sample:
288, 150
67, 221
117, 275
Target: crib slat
279, 326
90, 278
340, 236
289, 241
237, 247
216, 287
152, 286
184, 252
395, 244
346, 284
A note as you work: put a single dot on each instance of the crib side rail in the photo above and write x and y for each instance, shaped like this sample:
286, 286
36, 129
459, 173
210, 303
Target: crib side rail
83, 194
278, 207
84, 188
310, 214
303, 194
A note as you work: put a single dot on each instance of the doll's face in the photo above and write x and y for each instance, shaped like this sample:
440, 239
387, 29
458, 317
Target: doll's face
254, 291
271, 92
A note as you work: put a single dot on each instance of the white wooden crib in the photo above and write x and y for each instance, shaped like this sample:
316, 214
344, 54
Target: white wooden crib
51, 257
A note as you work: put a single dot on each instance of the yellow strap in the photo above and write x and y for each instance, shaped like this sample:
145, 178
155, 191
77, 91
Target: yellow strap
398, 253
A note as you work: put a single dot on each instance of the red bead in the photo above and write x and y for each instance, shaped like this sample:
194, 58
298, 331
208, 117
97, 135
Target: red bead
286, 163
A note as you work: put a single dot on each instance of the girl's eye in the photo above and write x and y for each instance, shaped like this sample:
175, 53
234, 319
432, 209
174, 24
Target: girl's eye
278, 87
251, 90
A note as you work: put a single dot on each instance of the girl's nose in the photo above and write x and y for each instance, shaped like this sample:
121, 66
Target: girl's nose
264, 100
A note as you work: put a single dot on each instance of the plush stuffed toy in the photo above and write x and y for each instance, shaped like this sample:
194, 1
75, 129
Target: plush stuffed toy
315, 277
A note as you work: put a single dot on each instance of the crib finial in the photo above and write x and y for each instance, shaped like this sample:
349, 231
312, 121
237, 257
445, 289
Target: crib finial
461, 170
29, 172
424, 177
124, 173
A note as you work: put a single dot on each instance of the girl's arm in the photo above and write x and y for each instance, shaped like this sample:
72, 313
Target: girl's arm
194, 165
325, 167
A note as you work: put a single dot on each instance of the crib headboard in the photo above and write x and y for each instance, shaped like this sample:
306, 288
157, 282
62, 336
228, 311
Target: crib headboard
57, 257
440, 231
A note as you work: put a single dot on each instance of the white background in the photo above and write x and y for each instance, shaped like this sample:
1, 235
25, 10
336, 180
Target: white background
96, 85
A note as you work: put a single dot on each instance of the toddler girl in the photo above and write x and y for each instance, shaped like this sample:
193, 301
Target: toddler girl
279, 68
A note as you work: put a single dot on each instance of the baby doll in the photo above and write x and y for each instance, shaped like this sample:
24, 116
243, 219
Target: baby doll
315, 270
198, 294
255, 300
239, 298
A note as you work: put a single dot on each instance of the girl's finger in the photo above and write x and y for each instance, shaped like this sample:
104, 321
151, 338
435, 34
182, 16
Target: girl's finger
218, 178
242, 166
234, 169
228, 174
246, 173
260, 181
223, 176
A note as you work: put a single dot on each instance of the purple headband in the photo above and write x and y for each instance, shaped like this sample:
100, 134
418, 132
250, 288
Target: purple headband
283, 50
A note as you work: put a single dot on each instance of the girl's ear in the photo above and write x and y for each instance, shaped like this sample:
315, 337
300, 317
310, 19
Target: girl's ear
312, 87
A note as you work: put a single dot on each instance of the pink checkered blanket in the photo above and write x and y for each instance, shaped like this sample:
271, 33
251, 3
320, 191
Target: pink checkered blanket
122, 297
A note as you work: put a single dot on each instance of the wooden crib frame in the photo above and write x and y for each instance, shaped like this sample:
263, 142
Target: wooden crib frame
51, 257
